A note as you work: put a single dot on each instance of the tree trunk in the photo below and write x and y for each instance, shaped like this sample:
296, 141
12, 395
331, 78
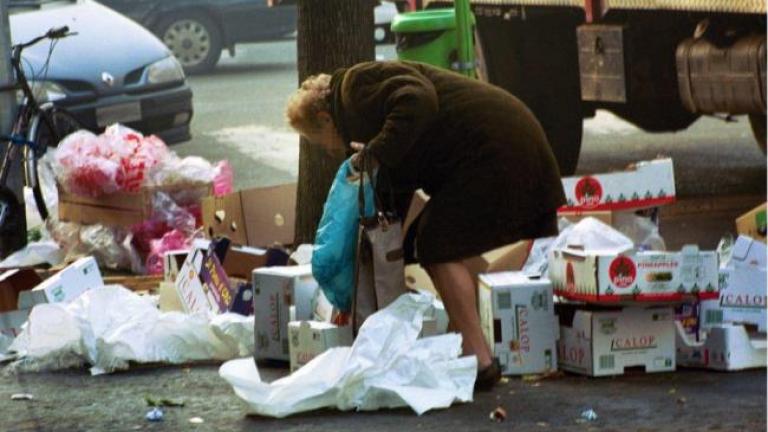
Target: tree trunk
331, 34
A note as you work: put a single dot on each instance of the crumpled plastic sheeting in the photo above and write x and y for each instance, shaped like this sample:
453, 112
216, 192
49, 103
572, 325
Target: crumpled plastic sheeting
386, 367
111, 326
595, 236
42, 252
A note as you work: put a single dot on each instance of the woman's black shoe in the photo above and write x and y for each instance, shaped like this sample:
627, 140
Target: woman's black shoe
488, 377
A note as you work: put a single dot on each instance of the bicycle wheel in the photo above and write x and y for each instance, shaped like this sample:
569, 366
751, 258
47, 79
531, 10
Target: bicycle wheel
45, 135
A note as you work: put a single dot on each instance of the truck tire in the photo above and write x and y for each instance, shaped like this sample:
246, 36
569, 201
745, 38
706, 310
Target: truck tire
194, 38
757, 122
536, 60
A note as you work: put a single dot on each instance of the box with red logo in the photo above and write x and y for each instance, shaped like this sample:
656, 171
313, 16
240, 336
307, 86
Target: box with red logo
518, 320
646, 184
727, 347
604, 342
649, 276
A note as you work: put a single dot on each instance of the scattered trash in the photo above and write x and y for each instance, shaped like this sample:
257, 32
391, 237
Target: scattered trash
155, 415
110, 327
388, 366
163, 402
504, 380
40, 252
543, 376
498, 415
196, 420
589, 415
542, 424
22, 397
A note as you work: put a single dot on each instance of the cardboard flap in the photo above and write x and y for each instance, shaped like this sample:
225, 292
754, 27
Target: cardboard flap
749, 252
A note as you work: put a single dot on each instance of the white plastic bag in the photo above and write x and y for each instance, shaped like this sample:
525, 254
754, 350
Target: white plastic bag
111, 326
595, 236
386, 367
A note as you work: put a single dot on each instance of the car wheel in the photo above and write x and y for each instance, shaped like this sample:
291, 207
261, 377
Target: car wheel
382, 34
194, 39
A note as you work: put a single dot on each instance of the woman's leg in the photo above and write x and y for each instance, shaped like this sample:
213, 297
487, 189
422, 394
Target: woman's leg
457, 289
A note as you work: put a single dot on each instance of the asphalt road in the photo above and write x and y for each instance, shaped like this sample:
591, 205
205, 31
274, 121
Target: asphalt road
239, 116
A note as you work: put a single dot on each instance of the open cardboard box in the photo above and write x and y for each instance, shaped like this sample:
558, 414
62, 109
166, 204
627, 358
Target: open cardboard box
727, 347
647, 184
257, 217
753, 223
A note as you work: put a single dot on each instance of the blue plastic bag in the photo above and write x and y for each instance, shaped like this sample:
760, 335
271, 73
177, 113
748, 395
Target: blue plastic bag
333, 256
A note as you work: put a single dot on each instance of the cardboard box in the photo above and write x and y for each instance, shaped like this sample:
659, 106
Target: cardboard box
255, 217
275, 290
239, 261
65, 286
726, 347
753, 223
11, 322
309, 339
203, 285
606, 342
518, 320
743, 294
511, 257
172, 263
648, 184
119, 208
649, 276
169, 300
13, 282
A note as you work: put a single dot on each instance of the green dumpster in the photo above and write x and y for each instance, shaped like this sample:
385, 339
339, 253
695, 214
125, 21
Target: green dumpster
427, 36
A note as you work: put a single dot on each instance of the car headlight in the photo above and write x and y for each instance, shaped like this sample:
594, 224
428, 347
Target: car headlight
44, 91
166, 70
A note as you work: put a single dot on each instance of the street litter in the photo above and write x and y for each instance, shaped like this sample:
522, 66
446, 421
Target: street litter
312, 338
155, 415
22, 397
196, 420
163, 402
111, 326
498, 415
589, 415
753, 223
387, 366
40, 252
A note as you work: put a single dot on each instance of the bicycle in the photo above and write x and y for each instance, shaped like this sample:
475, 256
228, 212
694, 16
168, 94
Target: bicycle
37, 127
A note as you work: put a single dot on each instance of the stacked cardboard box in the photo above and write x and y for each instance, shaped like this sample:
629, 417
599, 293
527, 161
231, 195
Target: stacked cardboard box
309, 339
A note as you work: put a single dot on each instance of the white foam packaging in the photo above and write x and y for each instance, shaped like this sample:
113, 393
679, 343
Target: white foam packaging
275, 290
606, 342
65, 286
518, 320
309, 339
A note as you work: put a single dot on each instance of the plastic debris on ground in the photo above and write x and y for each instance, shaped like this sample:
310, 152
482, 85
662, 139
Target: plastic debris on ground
589, 415
22, 397
196, 420
110, 327
594, 235
498, 415
388, 366
155, 415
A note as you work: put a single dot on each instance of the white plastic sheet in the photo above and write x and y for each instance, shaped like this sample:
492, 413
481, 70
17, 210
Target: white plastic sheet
595, 236
43, 252
111, 326
386, 367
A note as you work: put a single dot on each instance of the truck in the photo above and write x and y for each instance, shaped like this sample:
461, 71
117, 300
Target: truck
659, 64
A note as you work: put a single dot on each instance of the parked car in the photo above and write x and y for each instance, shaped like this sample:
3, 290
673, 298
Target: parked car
112, 70
196, 31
